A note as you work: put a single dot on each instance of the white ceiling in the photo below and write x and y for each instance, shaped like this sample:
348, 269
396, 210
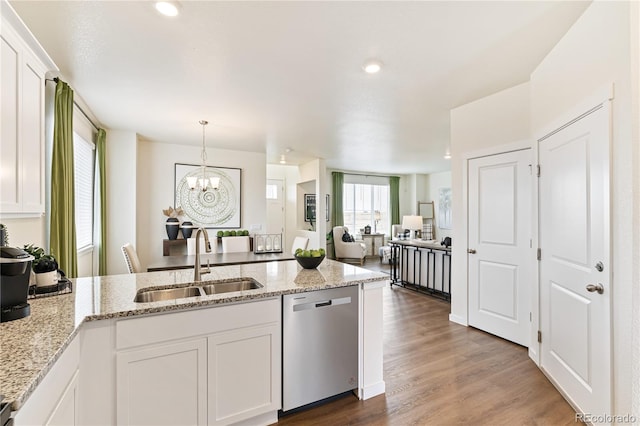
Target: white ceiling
275, 75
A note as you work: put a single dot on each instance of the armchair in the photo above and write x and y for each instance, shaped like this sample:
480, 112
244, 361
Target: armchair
344, 250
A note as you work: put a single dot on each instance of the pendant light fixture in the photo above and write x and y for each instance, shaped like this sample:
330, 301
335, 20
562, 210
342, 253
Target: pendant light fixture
201, 181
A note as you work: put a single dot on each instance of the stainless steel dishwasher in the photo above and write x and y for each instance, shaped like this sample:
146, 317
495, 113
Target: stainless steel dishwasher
320, 345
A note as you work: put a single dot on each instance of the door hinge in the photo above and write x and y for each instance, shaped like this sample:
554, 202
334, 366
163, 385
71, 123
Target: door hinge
539, 254
538, 170
539, 336
530, 317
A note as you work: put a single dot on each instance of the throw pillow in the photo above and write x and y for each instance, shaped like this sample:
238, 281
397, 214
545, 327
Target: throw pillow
346, 237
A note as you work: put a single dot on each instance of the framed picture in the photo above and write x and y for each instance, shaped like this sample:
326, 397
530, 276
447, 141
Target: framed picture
444, 208
213, 208
309, 207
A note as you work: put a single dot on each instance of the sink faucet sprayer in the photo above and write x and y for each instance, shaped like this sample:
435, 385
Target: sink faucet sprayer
197, 271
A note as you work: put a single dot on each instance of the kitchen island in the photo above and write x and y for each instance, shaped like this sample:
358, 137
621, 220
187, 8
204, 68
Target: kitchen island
98, 328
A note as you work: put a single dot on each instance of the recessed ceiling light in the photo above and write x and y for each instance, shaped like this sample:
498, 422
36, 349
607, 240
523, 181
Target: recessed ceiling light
167, 8
372, 66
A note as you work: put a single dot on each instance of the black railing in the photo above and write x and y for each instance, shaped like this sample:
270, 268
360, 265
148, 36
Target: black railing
410, 271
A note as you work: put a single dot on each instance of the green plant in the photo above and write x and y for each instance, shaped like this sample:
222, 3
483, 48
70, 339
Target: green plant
4, 235
42, 262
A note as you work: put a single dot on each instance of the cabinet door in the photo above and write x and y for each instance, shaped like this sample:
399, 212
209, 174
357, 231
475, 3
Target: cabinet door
163, 384
65, 413
32, 136
9, 150
244, 373
22, 131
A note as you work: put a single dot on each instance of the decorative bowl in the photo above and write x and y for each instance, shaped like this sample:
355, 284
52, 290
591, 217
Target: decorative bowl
309, 262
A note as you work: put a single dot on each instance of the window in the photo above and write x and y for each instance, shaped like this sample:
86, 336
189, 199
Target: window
83, 160
272, 191
366, 204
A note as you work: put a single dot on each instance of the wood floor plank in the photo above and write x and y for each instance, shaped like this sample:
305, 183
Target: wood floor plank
441, 373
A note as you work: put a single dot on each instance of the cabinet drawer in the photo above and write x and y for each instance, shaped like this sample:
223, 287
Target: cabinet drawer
159, 328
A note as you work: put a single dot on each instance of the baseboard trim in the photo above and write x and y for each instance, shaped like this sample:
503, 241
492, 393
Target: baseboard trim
373, 390
458, 320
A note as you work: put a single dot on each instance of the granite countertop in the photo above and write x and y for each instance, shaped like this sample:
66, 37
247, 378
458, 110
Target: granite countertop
30, 346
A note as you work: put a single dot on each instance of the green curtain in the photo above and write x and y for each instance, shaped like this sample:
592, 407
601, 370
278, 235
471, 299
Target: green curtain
102, 200
394, 196
62, 227
338, 214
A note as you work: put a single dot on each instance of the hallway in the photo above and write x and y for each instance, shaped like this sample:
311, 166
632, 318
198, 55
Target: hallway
441, 373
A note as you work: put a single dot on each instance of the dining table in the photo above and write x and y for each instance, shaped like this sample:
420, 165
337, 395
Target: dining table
167, 263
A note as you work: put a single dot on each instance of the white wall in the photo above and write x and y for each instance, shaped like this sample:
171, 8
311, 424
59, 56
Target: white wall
435, 181
155, 188
315, 171
25, 231
121, 171
290, 176
594, 53
497, 120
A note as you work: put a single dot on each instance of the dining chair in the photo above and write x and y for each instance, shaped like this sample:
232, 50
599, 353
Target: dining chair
235, 244
131, 258
299, 242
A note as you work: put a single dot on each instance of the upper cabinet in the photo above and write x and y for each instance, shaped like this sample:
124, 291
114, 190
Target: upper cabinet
23, 66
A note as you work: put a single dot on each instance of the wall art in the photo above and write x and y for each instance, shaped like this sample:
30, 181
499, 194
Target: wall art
213, 208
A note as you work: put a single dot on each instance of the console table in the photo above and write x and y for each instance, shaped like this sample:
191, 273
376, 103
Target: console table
421, 266
370, 241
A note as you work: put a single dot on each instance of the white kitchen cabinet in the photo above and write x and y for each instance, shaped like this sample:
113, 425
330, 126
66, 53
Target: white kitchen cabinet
66, 412
244, 374
22, 158
217, 365
55, 400
163, 384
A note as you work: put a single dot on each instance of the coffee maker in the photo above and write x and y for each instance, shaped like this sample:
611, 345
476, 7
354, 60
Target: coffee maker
15, 270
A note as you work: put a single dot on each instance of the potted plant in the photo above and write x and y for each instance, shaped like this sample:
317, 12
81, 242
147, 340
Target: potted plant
44, 266
4, 235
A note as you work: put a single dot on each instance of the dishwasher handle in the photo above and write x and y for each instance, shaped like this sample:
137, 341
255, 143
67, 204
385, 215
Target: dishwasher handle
315, 304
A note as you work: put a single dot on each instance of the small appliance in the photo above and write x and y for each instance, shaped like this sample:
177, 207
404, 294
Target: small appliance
15, 270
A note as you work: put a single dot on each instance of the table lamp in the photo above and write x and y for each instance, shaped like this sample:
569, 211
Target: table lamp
412, 223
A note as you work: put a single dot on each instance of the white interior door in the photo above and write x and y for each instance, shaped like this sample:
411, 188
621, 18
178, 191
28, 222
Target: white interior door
574, 241
500, 254
275, 207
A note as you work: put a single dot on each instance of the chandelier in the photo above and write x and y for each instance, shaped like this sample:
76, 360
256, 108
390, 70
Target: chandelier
201, 181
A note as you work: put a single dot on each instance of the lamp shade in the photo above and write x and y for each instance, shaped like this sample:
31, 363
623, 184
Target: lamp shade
412, 222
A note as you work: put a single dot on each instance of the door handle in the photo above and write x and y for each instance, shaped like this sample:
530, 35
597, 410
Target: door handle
597, 288
471, 251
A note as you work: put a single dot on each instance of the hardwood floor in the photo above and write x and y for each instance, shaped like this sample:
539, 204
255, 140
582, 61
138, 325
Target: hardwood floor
441, 373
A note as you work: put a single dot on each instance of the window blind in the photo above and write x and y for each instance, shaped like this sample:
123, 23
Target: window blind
84, 172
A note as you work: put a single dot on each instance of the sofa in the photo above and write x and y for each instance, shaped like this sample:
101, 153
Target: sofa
347, 250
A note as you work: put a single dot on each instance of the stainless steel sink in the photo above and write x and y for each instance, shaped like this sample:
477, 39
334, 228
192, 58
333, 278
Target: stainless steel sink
228, 286
147, 296
167, 294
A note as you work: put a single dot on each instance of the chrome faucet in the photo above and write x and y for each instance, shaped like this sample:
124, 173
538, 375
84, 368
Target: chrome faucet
197, 271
